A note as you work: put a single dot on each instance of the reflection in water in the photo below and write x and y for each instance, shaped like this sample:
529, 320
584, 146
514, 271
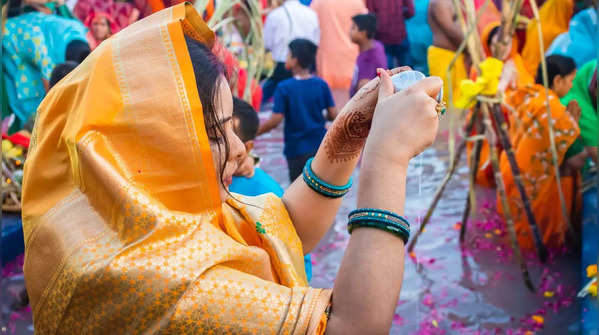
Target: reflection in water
447, 289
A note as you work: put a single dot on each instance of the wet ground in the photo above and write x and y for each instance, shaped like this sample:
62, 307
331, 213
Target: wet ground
446, 289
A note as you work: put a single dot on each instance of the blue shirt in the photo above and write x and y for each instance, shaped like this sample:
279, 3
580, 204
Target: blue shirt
302, 101
259, 184
33, 44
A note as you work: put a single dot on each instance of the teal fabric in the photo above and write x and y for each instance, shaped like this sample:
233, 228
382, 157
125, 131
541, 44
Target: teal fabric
589, 118
580, 41
574, 149
420, 36
33, 44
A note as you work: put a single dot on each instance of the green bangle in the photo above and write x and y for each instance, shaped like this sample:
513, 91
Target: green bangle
322, 187
379, 215
390, 228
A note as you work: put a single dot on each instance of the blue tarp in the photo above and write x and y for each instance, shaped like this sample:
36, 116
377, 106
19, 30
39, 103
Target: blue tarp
420, 36
580, 41
590, 250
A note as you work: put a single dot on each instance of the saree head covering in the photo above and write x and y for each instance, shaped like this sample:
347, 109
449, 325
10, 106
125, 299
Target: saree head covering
91, 19
124, 227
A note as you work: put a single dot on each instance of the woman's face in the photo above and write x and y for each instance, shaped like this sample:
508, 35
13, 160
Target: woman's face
563, 84
224, 110
100, 28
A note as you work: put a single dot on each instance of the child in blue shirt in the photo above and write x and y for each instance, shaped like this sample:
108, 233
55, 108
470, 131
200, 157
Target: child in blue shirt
301, 101
249, 179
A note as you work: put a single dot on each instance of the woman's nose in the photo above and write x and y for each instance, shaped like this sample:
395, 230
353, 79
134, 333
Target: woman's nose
237, 147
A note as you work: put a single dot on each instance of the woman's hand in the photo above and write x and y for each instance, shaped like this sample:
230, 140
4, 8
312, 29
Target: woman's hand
574, 110
404, 123
369, 279
346, 137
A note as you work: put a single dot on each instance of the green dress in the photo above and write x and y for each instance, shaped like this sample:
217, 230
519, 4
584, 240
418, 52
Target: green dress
589, 118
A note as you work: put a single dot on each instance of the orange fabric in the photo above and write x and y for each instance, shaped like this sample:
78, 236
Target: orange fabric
530, 139
124, 228
484, 173
489, 15
336, 57
555, 17
156, 5
524, 77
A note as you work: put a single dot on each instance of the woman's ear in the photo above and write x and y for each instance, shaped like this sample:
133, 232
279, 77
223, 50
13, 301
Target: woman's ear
557, 82
249, 145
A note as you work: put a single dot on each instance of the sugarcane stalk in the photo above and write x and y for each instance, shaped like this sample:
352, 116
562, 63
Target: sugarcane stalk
452, 167
491, 137
554, 155
455, 155
471, 199
499, 120
468, 33
509, 18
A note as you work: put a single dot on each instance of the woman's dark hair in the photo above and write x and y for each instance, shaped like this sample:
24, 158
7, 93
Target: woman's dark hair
77, 51
492, 34
248, 120
60, 71
208, 71
367, 23
304, 51
557, 65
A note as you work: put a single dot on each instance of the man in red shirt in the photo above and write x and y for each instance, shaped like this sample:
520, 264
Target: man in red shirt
391, 28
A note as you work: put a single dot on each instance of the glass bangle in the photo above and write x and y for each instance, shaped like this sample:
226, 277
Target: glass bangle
322, 187
390, 228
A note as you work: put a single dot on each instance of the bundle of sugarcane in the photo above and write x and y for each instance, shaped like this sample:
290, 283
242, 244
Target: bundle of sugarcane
486, 113
253, 57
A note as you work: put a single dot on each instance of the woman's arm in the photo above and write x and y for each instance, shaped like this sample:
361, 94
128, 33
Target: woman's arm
369, 280
311, 213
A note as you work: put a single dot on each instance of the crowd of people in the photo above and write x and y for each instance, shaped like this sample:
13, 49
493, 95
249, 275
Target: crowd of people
108, 132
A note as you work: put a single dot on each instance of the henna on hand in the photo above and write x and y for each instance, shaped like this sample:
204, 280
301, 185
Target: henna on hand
345, 140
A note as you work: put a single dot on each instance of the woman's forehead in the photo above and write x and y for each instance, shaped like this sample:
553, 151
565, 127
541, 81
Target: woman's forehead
225, 99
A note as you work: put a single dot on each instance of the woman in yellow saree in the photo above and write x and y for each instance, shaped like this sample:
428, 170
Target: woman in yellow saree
128, 223
529, 135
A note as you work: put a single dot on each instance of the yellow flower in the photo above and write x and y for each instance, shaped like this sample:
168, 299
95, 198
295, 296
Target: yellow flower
486, 83
591, 270
548, 294
593, 289
538, 319
6, 146
468, 92
10, 151
243, 64
491, 68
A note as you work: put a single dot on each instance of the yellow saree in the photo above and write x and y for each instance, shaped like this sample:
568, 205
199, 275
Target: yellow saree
555, 18
124, 228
